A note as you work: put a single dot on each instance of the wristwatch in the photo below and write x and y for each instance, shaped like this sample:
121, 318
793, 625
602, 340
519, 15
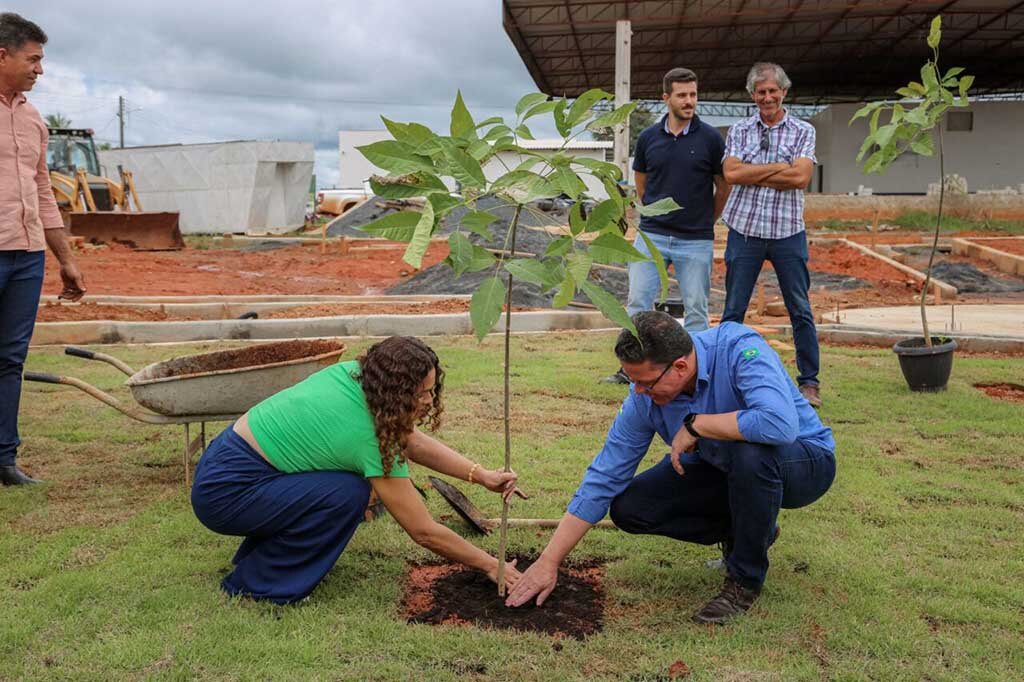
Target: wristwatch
688, 423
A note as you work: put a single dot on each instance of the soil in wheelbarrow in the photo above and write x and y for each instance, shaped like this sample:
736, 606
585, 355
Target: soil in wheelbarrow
252, 356
451, 594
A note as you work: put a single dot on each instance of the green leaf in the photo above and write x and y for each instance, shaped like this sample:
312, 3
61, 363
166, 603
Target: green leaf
542, 108
464, 256
946, 96
873, 122
659, 207
613, 118
490, 121
524, 186
907, 93
935, 34
462, 123
876, 163
578, 265
398, 227
885, 134
866, 110
962, 102
529, 163
955, 71
524, 132
965, 83
612, 248
568, 182
497, 132
396, 157
559, 246
485, 306
443, 203
399, 131
605, 213
527, 101
421, 238
478, 221
659, 263
566, 292
576, 222
608, 305
923, 145
601, 169
931, 83
408, 185
479, 150
544, 274
465, 168
868, 143
580, 108
558, 113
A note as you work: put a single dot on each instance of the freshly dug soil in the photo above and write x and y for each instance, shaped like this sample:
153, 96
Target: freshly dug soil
77, 312
452, 594
1011, 392
251, 356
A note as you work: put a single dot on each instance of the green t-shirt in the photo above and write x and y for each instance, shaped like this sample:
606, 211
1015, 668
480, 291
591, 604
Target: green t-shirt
321, 424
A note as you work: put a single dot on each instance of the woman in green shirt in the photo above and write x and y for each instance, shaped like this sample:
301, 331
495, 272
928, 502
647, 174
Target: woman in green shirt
293, 475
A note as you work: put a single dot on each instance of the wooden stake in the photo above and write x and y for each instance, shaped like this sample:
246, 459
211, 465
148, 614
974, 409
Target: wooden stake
874, 232
760, 299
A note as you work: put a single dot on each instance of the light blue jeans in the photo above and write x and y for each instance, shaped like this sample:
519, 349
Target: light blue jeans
692, 260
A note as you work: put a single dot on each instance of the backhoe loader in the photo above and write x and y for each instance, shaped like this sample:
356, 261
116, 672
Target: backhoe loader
100, 209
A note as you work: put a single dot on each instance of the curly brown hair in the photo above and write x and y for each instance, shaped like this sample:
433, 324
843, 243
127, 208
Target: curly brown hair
391, 372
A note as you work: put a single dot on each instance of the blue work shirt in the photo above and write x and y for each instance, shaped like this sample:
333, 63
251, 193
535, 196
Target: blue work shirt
736, 371
682, 167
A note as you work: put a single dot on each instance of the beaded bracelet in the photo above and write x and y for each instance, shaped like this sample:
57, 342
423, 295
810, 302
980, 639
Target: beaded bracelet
475, 467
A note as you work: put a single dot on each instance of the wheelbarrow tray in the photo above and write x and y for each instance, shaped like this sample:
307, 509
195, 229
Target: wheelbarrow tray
229, 381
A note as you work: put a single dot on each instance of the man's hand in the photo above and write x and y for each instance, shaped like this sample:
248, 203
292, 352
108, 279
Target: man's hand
504, 482
74, 282
539, 580
512, 576
683, 442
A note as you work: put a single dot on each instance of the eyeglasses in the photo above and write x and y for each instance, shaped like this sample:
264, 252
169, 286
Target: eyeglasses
766, 140
650, 387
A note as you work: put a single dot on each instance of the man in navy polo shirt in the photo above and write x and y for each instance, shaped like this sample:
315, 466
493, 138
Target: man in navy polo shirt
678, 157
744, 442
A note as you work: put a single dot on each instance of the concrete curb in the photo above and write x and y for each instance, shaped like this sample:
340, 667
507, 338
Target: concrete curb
1009, 263
104, 332
866, 336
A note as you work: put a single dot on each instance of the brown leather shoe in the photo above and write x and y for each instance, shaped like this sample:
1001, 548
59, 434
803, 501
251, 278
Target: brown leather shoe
734, 600
812, 394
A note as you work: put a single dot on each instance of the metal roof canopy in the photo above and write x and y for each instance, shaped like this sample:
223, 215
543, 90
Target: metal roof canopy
833, 50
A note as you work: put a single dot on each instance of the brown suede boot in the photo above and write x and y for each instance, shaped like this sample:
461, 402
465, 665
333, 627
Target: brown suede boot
732, 601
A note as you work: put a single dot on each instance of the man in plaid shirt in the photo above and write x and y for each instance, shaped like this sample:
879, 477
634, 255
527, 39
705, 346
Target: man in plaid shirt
769, 159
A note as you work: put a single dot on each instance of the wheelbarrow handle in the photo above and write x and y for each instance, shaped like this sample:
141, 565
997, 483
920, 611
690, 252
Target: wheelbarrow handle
93, 355
43, 377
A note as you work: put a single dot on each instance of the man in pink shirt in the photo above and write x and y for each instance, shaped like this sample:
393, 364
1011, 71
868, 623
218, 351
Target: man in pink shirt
29, 222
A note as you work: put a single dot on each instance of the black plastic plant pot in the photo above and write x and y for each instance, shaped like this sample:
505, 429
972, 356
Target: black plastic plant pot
672, 306
926, 368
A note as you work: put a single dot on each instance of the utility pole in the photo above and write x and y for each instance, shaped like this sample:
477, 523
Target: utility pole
120, 116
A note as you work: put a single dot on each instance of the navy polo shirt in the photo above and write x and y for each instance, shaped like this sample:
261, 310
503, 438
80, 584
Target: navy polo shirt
682, 167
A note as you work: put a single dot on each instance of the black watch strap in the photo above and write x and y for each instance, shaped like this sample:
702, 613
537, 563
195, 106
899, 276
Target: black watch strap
688, 423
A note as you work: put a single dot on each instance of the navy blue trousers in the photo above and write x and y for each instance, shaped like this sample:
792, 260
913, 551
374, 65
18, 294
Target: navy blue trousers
744, 257
21, 280
295, 525
731, 491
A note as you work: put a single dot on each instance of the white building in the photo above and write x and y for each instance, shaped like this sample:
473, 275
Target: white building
982, 144
252, 187
355, 170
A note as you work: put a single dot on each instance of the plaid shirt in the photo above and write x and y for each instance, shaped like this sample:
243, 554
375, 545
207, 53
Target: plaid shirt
764, 212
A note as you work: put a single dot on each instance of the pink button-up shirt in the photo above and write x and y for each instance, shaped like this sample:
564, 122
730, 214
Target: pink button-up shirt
27, 206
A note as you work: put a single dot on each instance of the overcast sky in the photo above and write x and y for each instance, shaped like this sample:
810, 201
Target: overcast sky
202, 71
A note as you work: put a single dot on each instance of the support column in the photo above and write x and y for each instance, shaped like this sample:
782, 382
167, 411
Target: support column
623, 47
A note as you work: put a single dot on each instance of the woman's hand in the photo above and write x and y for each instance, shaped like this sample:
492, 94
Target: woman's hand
498, 481
511, 574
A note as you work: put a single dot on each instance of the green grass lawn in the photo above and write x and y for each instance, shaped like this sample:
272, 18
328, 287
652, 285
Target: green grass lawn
924, 221
910, 568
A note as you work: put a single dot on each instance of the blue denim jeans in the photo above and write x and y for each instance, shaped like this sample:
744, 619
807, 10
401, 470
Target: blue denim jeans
743, 259
731, 490
21, 280
692, 261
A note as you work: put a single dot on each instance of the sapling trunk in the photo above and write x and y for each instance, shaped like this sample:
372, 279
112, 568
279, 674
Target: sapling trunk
935, 242
508, 428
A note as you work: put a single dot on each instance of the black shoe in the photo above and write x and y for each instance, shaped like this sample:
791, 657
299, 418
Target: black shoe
732, 601
12, 475
619, 377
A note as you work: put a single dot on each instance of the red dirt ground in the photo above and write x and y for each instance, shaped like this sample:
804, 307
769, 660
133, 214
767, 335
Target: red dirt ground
288, 270
1011, 392
1014, 246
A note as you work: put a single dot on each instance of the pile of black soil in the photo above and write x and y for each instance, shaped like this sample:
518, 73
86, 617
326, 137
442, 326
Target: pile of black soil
457, 595
968, 279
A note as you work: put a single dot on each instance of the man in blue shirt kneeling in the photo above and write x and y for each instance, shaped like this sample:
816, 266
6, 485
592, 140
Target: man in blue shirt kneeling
744, 444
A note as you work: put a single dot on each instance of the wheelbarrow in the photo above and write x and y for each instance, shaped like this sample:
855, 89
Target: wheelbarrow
208, 387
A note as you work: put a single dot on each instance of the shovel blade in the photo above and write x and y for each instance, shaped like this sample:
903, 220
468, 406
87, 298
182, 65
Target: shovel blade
461, 504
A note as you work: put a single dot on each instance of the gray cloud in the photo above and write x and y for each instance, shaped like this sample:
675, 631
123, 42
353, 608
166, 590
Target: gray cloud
203, 71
